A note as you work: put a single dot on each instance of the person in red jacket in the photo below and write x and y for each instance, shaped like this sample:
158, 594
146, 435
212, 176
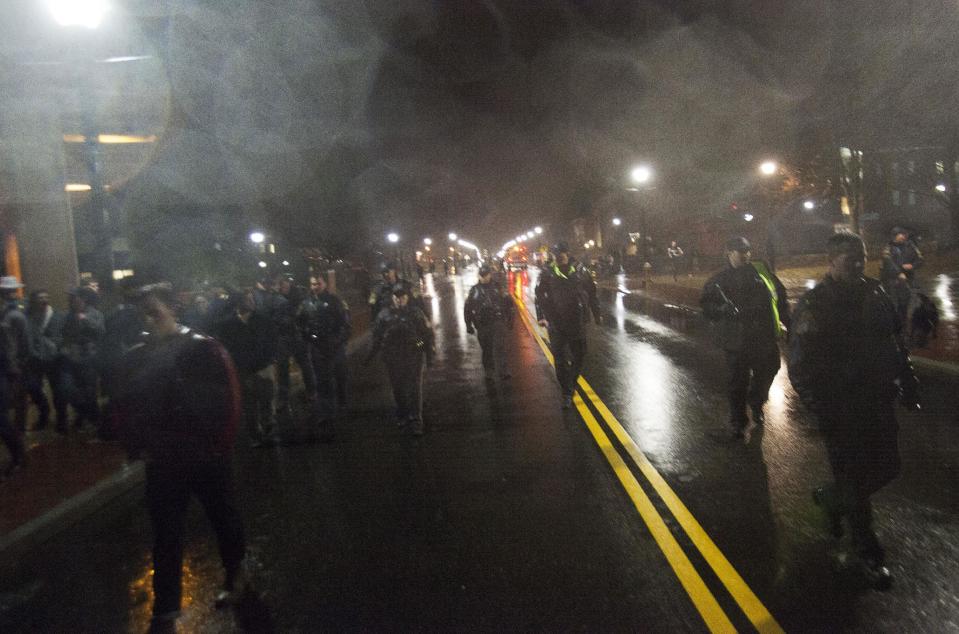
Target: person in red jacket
178, 407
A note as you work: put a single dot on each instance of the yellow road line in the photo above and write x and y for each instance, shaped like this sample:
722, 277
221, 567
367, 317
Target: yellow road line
747, 600
704, 601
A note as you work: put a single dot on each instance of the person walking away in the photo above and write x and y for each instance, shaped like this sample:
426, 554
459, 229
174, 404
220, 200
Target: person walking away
14, 324
325, 326
178, 407
565, 296
290, 343
901, 259
83, 330
250, 338
488, 313
404, 336
848, 364
748, 305
676, 256
44, 335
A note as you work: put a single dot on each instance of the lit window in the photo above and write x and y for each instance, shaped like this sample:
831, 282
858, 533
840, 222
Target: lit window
895, 197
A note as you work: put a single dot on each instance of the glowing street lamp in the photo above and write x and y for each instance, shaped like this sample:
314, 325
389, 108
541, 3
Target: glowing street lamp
427, 241
809, 205
641, 174
940, 188
262, 264
617, 222
453, 237
393, 237
85, 13
257, 237
768, 168
537, 230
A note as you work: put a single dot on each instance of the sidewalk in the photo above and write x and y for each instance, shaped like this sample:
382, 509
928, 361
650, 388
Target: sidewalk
942, 353
68, 478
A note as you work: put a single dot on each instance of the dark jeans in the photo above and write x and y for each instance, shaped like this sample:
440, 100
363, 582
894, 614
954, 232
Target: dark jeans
257, 405
406, 378
751, 372
33, 378
170, 485
569, 352
492, 339
862, 441
300, 351
78, 385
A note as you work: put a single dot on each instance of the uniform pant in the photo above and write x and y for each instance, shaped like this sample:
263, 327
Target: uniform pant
78, 384
324, 371
751, 372
569, 352
492, 339
169, 486
863, 446
300, 351
257, 393
406, 379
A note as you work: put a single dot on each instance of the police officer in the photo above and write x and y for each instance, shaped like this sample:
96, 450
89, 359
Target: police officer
565, 295
404, 336
381, 295
488, 311
847, 362
290, 342
901, 259
748, 304
325, 324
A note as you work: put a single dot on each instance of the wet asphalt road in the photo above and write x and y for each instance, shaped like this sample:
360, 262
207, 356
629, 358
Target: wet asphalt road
506, 516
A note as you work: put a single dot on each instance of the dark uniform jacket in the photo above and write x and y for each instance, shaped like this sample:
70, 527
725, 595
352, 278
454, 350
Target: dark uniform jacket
845, 346
402, 334
565, 296
45, 334
894, 256
741, 302
252, 345
82, 335
178, 398
325, 323
486, 304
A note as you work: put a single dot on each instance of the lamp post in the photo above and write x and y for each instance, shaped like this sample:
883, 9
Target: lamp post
641, 176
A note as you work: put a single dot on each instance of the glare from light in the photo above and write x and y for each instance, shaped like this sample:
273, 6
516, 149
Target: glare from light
419, 254
85, 13
126, 58
286, 263
768, 168
641, 174
748, 217
586, 245
262, 264
427, 248
809, 204
452, 249
452, 237
538, 230
810, 284
393, 237
945, 297
530, 234
77, 187
592, 243
617, 222
427, 241
257, 237
940, 187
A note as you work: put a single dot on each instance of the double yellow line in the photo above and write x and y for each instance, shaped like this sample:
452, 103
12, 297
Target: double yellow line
704, 600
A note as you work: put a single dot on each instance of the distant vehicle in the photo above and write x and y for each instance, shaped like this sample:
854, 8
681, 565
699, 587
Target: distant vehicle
517, 259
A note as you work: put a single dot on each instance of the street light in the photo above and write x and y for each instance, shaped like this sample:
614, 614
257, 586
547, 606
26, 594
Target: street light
257, 237
453, 237
262, 264
641, 174
85, 13
768, 168
617, 222
393, 238
538, 230
940, 188
809, 205
427, 241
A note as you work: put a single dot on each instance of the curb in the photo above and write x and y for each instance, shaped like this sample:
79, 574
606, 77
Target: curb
23, 539
922, 363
